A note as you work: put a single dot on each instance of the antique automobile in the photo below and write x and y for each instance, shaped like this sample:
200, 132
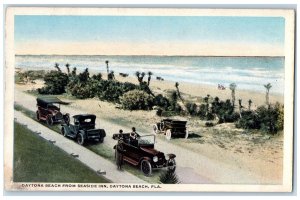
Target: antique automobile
140, 152
83, 129
48, 109
171, 128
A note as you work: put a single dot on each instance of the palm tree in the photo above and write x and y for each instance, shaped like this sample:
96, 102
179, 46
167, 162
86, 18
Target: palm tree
240, 107
74, 71
111, 75
142, 76
57, 67
207, 104
107, 68
268, 87
249, 104
232, 87
149, 77
178, 92
137, 73
68, 68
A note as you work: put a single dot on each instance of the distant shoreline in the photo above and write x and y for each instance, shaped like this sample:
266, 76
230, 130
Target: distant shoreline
201, 90
131, 78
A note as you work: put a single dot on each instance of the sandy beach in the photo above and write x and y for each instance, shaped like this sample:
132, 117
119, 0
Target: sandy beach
258, 154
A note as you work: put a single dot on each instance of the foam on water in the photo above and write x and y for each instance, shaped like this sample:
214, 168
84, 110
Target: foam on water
247, 72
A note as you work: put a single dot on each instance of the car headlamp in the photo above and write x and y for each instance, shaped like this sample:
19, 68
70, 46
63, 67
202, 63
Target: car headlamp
155, 159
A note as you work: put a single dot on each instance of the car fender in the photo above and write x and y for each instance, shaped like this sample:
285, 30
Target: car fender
66, 127
171, 155
102, 133
145, 158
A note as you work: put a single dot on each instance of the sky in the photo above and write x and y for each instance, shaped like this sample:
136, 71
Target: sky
149, 35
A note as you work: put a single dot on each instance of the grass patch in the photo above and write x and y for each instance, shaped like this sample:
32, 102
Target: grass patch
36, 160
103, 151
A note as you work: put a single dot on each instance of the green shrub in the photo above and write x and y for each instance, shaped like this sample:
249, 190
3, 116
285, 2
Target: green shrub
209, 124
271, 118
210, 116
55, 83
231, 117
191, 108
249, 120
169, 177
202, 111
280, 116
136, 100
111, 91
97, 76
161, 101
268, 119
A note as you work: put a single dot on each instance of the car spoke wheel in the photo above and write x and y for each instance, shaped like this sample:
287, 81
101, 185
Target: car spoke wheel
168, 134
49, 120
63, 132
155, 129
80, 139
172, 165
186, 134
146, 167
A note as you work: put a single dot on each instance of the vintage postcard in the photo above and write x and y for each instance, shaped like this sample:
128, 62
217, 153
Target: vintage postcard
149, 99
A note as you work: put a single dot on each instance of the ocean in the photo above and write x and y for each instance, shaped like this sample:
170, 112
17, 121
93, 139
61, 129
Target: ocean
249, 73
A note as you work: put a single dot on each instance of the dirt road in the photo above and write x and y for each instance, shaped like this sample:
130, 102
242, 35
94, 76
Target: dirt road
86, 156
192, 167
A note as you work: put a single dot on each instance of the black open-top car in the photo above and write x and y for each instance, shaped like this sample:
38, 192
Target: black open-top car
171, 128
83, 129
140, 152
48, 109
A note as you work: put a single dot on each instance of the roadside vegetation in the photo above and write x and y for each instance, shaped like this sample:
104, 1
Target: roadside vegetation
267, 118
36, 160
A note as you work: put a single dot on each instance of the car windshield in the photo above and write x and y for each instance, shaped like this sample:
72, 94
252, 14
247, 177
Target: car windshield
147, 139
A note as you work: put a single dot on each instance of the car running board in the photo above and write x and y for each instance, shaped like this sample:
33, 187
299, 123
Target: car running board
131, 161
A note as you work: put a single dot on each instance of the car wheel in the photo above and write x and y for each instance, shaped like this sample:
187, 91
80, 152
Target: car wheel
186, 134
155, 129
63, 131
38, 116
146, 167
49, 120
80, 139
172, 165
168, 134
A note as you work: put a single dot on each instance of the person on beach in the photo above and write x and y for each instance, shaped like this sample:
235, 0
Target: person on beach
134, 134
119, 154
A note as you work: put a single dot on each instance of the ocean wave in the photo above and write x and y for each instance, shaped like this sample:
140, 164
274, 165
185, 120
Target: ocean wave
247, 73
